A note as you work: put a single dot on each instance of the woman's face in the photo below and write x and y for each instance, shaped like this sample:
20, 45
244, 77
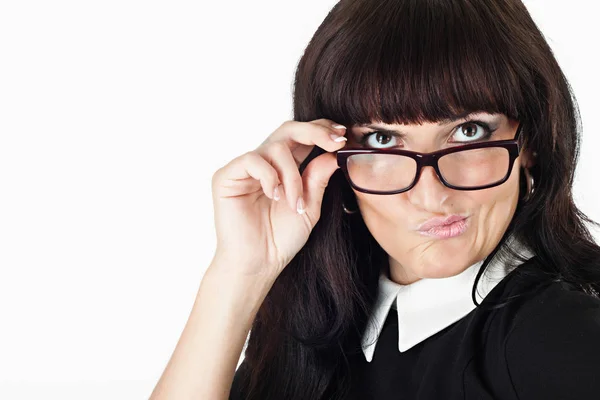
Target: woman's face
393, 220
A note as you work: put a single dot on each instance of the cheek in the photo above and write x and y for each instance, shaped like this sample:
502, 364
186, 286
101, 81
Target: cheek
391, 210
504, 196
387, 218
496, 207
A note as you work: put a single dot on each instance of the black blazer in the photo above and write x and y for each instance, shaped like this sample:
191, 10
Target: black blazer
544, 344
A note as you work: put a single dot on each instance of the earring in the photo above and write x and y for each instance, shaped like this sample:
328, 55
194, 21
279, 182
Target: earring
347, 211
530, 184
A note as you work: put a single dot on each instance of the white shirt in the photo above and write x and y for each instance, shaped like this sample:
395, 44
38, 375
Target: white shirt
427, 306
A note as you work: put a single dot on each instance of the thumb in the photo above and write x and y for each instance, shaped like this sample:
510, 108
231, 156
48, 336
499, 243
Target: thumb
315, 178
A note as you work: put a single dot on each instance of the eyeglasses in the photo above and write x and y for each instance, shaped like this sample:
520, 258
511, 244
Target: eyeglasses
472, 166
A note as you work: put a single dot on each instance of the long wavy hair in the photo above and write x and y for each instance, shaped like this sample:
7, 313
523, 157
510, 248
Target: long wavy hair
411, 61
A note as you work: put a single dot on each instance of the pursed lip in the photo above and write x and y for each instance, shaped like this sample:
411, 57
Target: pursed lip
439, 221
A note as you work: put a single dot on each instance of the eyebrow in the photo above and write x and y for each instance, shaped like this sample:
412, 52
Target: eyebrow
444, 121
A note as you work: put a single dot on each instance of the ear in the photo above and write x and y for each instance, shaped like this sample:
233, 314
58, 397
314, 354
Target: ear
528, 158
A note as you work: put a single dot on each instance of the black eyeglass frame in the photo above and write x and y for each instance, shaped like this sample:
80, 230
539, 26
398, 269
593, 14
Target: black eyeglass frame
431, 159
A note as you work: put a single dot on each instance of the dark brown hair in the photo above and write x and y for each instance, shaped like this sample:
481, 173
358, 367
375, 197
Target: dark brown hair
412, 61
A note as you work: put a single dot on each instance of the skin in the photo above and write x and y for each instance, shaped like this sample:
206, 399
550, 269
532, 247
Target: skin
393, 219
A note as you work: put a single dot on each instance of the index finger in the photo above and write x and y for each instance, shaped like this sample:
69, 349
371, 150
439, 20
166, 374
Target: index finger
300, 137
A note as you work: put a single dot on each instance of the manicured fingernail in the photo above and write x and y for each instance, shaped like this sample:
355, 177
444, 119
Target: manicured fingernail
337, 126
276, 193
300, 206
337, 138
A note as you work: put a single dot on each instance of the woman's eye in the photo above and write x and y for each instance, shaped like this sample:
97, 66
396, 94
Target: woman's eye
470, 132
376, 139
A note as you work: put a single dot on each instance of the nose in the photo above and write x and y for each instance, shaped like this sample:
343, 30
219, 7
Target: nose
429, 192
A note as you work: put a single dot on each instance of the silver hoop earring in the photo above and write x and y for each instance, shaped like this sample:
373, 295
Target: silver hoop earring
347, 211
530, 185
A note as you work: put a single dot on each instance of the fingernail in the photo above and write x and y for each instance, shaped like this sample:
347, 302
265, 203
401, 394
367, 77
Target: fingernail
300, 206
337, 138
276, 193
337, 126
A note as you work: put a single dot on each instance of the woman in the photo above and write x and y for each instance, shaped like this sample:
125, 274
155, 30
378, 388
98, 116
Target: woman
436, 252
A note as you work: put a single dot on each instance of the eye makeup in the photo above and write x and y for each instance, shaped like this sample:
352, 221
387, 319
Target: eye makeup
489, 125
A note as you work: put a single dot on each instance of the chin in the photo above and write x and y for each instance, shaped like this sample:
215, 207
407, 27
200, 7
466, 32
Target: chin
443, 266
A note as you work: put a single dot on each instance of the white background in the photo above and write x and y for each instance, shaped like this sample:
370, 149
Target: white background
113, 117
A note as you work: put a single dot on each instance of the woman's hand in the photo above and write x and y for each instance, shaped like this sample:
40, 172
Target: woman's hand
256, 234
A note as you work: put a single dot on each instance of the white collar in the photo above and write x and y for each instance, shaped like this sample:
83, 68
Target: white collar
427, 306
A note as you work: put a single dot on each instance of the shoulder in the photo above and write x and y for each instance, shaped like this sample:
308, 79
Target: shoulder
553, 349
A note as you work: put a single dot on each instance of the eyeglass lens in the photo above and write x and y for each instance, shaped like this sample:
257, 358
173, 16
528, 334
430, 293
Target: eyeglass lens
465, 169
